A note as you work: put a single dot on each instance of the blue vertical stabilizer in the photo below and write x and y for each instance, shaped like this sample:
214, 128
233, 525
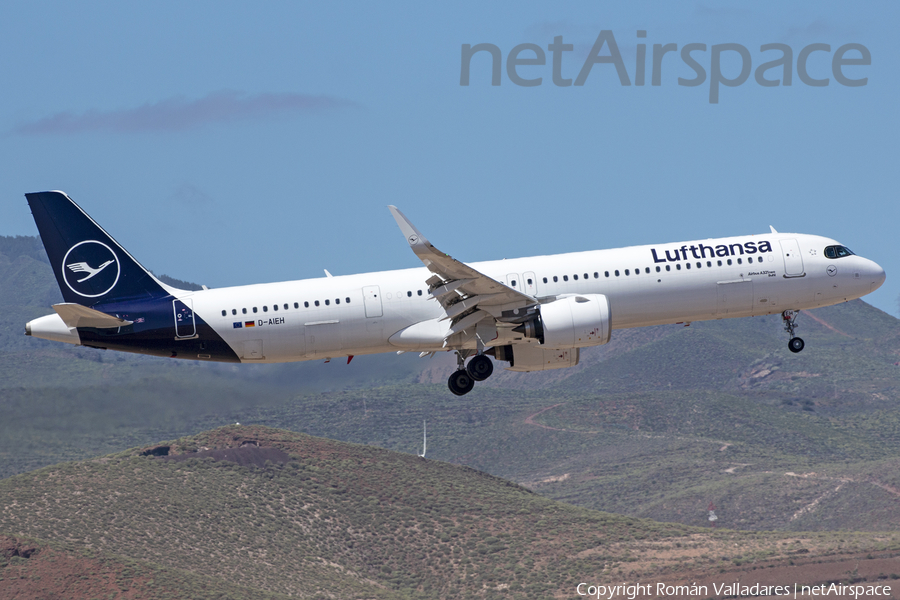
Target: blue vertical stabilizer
90, 266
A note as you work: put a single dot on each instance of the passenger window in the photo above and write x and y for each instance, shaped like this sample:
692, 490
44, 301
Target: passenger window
617, 272
234, 311
327, 302
606, 273
265, 309
296, 305
585, 275
530, 282
286, 306
305, 304
224, 312
626, 271
420, 291
274, 307
637, 271
347, 300
513, 283
575, 276
545, 280
668, 267
254, 309
647, 270
337, 300
699, 265
678, 266
244, 310
316, 302
729, 262
709, 263
759, 259
555, 279
687, 265
740, 261
596, 275
409, 294
720, 262
565, 277
657, 269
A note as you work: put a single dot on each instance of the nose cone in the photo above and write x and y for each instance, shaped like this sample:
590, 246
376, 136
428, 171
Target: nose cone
876, 274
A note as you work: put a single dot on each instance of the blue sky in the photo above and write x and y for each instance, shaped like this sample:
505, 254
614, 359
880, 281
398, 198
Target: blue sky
230, 145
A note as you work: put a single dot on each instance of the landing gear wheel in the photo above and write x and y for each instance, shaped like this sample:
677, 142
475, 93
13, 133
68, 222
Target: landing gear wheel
461, 383
796, 345
480, 367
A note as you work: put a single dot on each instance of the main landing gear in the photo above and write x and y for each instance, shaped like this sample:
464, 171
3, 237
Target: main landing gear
795, 344
480, 367
463, 380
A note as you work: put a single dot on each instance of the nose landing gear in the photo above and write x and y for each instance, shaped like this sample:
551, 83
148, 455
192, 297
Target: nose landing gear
795, 344
463, 380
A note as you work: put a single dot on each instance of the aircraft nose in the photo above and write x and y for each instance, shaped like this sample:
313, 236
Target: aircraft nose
879, 277
875, 274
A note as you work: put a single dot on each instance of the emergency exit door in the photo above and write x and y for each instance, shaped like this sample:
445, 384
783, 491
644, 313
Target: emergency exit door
372, 301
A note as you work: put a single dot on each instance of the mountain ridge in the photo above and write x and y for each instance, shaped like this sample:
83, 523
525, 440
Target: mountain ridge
354, 521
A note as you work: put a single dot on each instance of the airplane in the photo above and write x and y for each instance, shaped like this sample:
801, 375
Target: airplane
533, 313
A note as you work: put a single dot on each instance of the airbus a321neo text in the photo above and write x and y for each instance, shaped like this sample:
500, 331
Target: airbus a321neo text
532, 313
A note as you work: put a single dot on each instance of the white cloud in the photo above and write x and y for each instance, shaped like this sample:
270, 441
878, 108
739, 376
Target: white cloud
180, 114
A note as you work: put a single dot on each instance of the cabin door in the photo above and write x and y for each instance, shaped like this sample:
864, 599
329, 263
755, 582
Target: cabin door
185, 327
793, 262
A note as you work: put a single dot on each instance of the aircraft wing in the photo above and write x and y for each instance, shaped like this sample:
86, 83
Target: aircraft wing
466, 294
75, 315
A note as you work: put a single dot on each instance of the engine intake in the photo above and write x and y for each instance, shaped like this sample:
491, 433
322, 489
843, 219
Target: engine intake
571, 322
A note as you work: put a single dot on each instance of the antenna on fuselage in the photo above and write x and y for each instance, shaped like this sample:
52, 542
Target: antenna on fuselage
424, 440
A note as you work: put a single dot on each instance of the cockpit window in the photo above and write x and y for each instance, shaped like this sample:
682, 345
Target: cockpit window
837, 252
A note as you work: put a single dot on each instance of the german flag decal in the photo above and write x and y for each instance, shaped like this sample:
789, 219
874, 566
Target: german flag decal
249, 324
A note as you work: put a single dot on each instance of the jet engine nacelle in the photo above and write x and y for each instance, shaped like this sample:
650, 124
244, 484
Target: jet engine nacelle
571, 322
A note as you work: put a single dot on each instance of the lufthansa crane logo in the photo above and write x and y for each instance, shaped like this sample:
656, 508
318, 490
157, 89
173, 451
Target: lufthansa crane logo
91, 269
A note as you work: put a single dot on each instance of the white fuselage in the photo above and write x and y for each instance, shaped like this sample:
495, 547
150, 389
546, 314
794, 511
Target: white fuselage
645, 285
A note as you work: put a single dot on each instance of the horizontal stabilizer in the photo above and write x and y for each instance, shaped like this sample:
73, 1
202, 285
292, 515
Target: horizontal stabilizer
76, 315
